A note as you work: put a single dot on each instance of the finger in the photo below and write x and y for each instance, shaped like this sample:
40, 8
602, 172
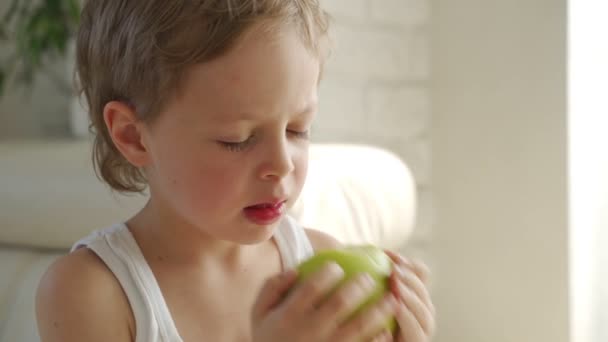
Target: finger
342, 303
272, 292
412, 281
310, 293
417, 266
369, 322
385, 336
409, 329
398, 258
422, 271
415, 307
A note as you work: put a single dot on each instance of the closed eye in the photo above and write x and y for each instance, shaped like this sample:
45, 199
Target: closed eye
299, 134
237, 146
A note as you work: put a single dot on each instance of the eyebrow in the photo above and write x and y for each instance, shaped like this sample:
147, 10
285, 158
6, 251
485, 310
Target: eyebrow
248, 116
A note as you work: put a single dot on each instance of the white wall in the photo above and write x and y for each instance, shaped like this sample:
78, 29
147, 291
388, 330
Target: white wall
588, 168
376, 91
500, 170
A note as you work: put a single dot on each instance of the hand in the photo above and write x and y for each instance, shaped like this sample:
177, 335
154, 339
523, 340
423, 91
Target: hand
306, 312
416, 313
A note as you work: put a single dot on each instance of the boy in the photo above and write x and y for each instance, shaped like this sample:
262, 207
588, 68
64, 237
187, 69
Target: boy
208, 104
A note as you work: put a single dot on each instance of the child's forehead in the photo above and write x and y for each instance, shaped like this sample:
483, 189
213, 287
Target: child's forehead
261, 73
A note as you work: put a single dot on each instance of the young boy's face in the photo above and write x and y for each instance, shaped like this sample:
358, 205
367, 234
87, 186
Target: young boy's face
229, 154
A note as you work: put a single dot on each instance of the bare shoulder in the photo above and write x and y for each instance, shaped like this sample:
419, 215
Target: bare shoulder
321, 241
79, 299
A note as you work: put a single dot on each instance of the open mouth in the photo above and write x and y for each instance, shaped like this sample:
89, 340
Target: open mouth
265, 213
267, 205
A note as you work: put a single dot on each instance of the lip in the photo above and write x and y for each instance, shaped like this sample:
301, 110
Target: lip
265, 213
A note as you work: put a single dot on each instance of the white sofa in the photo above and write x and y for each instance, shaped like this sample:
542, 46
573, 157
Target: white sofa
50, 197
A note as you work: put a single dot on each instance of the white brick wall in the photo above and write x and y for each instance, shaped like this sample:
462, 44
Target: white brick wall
375, 89
408, 13
371, 53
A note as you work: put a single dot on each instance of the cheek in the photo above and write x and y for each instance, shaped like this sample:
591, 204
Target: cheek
198, 183
301, 168
213, 184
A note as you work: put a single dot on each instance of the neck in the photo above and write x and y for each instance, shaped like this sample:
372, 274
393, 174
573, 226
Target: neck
163, 237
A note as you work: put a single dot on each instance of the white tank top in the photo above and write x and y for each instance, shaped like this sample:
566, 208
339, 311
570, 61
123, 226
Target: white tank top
116, 246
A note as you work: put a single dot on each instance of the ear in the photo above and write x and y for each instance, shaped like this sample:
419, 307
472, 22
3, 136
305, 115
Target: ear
125, 129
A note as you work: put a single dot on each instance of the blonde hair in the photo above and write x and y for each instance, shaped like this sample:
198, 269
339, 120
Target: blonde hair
136, 51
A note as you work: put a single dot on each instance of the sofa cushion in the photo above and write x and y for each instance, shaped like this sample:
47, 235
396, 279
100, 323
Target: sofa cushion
51, 196
358, 194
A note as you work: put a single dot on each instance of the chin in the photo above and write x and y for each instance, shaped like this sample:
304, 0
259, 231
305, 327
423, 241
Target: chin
253, 234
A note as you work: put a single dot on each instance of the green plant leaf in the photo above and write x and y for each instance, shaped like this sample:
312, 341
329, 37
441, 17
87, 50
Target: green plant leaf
73, 11
37, 22
56, 37
54, 5
36, 32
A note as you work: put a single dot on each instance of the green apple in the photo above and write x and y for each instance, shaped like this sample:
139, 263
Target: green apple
355, 260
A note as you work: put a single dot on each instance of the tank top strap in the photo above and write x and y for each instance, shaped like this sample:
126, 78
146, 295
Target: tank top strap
119, 251
293, 243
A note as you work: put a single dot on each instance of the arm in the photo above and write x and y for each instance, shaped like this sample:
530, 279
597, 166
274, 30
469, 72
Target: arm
79, 299
321, 240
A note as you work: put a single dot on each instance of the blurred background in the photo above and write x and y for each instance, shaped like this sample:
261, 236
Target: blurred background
498, 108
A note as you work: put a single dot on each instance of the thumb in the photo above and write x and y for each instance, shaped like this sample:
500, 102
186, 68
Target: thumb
272, 292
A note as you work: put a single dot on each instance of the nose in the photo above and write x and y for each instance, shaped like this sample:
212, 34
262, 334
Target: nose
277, 160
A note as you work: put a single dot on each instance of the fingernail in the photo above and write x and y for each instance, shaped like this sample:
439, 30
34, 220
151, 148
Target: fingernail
401, 271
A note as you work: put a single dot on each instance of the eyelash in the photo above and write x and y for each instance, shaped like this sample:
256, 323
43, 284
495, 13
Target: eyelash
242, 145
237, 146
300, 134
